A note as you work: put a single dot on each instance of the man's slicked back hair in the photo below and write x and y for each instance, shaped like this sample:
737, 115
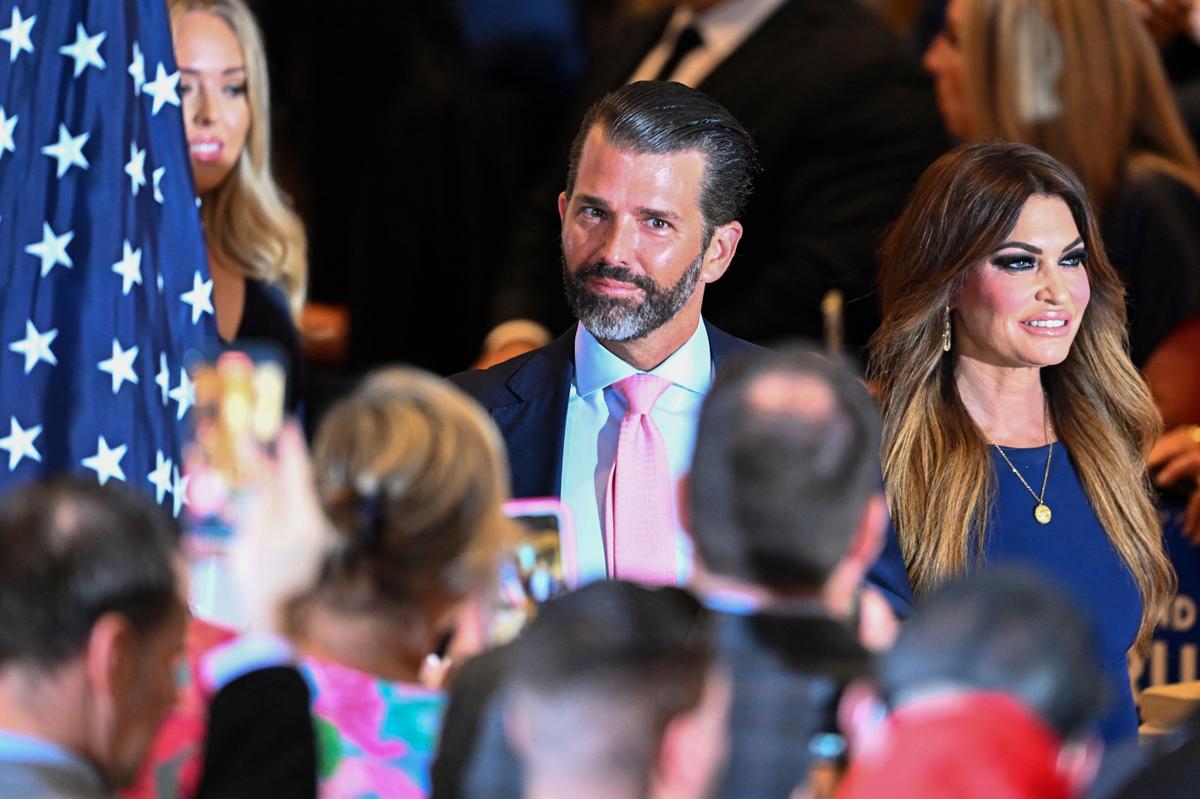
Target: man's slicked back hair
71, 551
663, 117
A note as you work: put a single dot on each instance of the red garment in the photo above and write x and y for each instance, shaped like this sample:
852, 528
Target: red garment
974, 746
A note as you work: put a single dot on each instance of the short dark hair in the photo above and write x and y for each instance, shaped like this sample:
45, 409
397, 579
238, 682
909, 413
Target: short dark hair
622, 658
778, 486
1003, 629
71, 551
654, 116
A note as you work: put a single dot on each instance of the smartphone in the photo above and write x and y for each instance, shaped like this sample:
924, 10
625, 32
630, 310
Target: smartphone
539, 566
235, 422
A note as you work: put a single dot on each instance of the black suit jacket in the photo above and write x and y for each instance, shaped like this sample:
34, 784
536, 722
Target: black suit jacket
844, 121
527, 397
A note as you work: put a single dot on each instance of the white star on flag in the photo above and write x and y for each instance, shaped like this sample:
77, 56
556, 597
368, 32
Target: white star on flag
85, 50
136, 168
163, 378
19, 443
157, 176
52, 249
200, 297
35, 346
120, 365
106, 463
17, 35
137, 69
184, 394
160, 478
68, 150
7, 125
163, 89
179, 490
129, 267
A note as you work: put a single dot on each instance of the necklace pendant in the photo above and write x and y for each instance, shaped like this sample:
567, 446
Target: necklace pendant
1042, 513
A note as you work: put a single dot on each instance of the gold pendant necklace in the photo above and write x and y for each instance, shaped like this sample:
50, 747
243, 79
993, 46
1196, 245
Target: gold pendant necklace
1041, 511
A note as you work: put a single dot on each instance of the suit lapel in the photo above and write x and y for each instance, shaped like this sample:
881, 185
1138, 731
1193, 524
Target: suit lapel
534, 427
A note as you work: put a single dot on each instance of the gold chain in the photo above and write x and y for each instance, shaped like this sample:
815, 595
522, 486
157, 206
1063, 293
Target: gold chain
1041, 511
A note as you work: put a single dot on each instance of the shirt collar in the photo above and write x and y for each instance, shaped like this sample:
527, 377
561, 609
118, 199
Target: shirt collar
15, 747
724, 27
596, 368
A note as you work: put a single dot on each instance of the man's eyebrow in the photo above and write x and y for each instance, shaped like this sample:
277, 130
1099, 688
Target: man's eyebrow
592, 200
660, 214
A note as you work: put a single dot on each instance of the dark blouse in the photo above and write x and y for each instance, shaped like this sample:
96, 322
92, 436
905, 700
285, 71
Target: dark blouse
1073, 551
265, 317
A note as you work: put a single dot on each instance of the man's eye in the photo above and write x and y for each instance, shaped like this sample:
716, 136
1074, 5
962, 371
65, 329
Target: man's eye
591, 212
659, 224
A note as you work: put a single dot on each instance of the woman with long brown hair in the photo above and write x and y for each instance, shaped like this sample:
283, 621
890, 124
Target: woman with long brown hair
1015, 425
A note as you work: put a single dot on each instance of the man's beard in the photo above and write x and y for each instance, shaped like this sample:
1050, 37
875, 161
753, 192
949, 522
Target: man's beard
621, 319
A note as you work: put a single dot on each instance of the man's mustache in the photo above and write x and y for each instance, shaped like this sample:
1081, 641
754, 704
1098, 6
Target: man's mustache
604, 270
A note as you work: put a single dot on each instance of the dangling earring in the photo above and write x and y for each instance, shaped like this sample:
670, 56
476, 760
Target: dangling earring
946, 332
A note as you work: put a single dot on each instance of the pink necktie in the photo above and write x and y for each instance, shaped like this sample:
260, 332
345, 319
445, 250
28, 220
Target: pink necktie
641, 512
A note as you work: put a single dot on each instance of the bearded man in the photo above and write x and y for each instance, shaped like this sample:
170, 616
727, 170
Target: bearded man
605, 416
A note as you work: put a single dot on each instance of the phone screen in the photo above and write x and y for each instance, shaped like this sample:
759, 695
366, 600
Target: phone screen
237, 417
534, 570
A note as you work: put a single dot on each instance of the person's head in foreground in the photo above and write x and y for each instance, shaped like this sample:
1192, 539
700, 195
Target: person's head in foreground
659, 175
412, 473
783, 496
615, 692
993, 688
91, 624
995, 277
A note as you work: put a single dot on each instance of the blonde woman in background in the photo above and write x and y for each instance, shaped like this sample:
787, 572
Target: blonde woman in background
1015, 425
1084, 82
256, 243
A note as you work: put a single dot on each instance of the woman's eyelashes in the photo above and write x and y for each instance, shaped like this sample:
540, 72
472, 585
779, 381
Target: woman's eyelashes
1022, 262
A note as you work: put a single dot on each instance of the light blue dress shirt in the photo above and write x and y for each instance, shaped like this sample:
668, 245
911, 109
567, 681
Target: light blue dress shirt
594, 412
18, 748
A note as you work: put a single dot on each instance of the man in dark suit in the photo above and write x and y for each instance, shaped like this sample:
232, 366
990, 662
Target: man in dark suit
658, 177
785, 509
844, 120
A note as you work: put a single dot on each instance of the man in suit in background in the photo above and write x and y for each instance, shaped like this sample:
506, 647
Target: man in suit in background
91, 623
605, 415
844, 121
786, 512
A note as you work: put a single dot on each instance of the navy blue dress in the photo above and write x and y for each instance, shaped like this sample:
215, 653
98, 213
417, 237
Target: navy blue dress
1073, 550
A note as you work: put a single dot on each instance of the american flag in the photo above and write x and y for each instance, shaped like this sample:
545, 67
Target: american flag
104, 286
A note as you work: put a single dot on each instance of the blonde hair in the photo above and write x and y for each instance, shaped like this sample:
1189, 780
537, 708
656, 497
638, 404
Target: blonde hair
249, 225
413, 474
1082, 81
936, 465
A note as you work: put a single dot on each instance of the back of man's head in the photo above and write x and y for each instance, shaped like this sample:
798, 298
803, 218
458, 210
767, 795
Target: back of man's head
1002, 631
662, 117
605, 680
786, 460
70, 551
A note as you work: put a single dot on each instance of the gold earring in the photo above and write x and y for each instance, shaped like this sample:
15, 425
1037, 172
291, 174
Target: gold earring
946, 332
